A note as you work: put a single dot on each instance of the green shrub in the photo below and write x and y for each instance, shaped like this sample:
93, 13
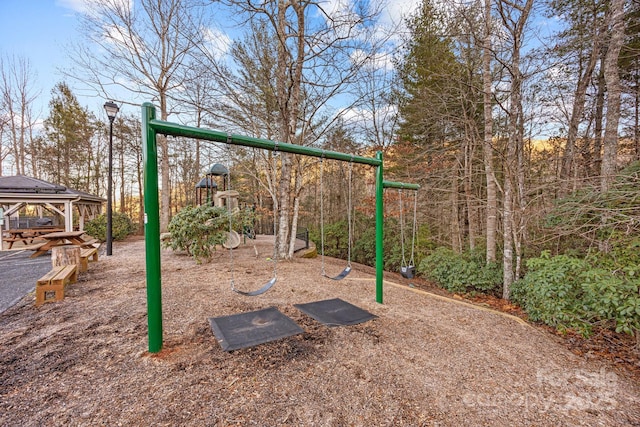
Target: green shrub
613, 298
568, 292
363, 250
197, 230
121, 227
551, 291
466, 272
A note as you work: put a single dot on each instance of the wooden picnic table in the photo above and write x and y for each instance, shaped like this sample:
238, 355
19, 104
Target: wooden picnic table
61, 238
39, 230
16, 235
27, 235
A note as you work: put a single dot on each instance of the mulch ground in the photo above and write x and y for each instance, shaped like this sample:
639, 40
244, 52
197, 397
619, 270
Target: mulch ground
428, 358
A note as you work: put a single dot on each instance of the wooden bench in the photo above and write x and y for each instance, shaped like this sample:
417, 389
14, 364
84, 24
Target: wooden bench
35, 246
11, 240
89, 243
54, 282
86, 255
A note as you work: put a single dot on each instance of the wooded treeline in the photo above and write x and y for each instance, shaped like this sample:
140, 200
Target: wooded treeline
496, 119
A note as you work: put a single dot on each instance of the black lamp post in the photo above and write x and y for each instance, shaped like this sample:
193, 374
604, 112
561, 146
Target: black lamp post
112, 109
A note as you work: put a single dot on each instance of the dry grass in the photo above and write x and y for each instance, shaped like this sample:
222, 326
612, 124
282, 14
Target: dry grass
423, 361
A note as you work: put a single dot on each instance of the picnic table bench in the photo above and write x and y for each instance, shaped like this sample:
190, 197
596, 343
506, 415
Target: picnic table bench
61, 238
86, 255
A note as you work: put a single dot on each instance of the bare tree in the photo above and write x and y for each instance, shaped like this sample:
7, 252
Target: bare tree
315, 55
586, 30
3, 151
487, 144
514, 19
16, 107
143, 50
614, 89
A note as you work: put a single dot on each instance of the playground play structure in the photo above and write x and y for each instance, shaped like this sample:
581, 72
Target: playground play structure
151, 127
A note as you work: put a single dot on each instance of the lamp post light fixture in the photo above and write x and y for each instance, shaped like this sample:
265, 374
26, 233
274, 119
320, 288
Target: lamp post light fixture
112, 109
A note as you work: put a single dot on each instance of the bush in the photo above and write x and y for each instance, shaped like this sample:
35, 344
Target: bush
363, 250
466, 272
551, 291
568, 292
197, 230
121, 227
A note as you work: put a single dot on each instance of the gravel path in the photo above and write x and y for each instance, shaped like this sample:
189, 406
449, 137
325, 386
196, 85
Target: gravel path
18, 275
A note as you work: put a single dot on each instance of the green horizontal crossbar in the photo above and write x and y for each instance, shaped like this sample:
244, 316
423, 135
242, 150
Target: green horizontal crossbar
400, 185
168, 128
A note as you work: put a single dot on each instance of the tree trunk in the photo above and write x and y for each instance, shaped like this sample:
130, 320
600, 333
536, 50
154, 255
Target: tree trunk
296, 212
456, 238
165, 194
614, 89
507, 236
487, 146
284, 202
515, 137
596, 152
123, 196
468, 194
576, 117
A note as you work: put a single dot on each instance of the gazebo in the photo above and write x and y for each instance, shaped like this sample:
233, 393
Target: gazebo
17, 192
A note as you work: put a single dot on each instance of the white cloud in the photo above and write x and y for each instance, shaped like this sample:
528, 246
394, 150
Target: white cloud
364, 117
86, 6
81, 6
218, 42
379, 61
396, 11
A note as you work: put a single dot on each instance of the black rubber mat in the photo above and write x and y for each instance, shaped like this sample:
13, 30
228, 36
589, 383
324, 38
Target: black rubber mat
252, 328
335, 312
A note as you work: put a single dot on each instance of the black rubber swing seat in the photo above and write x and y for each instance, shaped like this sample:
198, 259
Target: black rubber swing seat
340, 276
408, 271
262, 290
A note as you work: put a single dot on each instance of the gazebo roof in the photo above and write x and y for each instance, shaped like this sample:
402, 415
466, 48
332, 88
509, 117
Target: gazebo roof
218, 170
19, 186
206, 182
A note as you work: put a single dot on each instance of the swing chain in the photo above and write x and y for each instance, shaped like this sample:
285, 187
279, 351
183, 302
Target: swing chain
414, 230
322, 212
276, 243
271, 282
401, 208
229, 213
349, 207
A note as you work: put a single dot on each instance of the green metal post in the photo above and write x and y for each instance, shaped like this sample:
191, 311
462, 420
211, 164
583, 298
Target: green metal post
379, 229
152, 229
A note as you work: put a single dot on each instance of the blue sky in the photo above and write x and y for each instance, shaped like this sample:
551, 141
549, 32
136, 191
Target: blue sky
39, 30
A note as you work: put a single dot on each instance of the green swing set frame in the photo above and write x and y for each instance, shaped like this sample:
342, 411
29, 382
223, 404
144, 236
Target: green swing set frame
151, 127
